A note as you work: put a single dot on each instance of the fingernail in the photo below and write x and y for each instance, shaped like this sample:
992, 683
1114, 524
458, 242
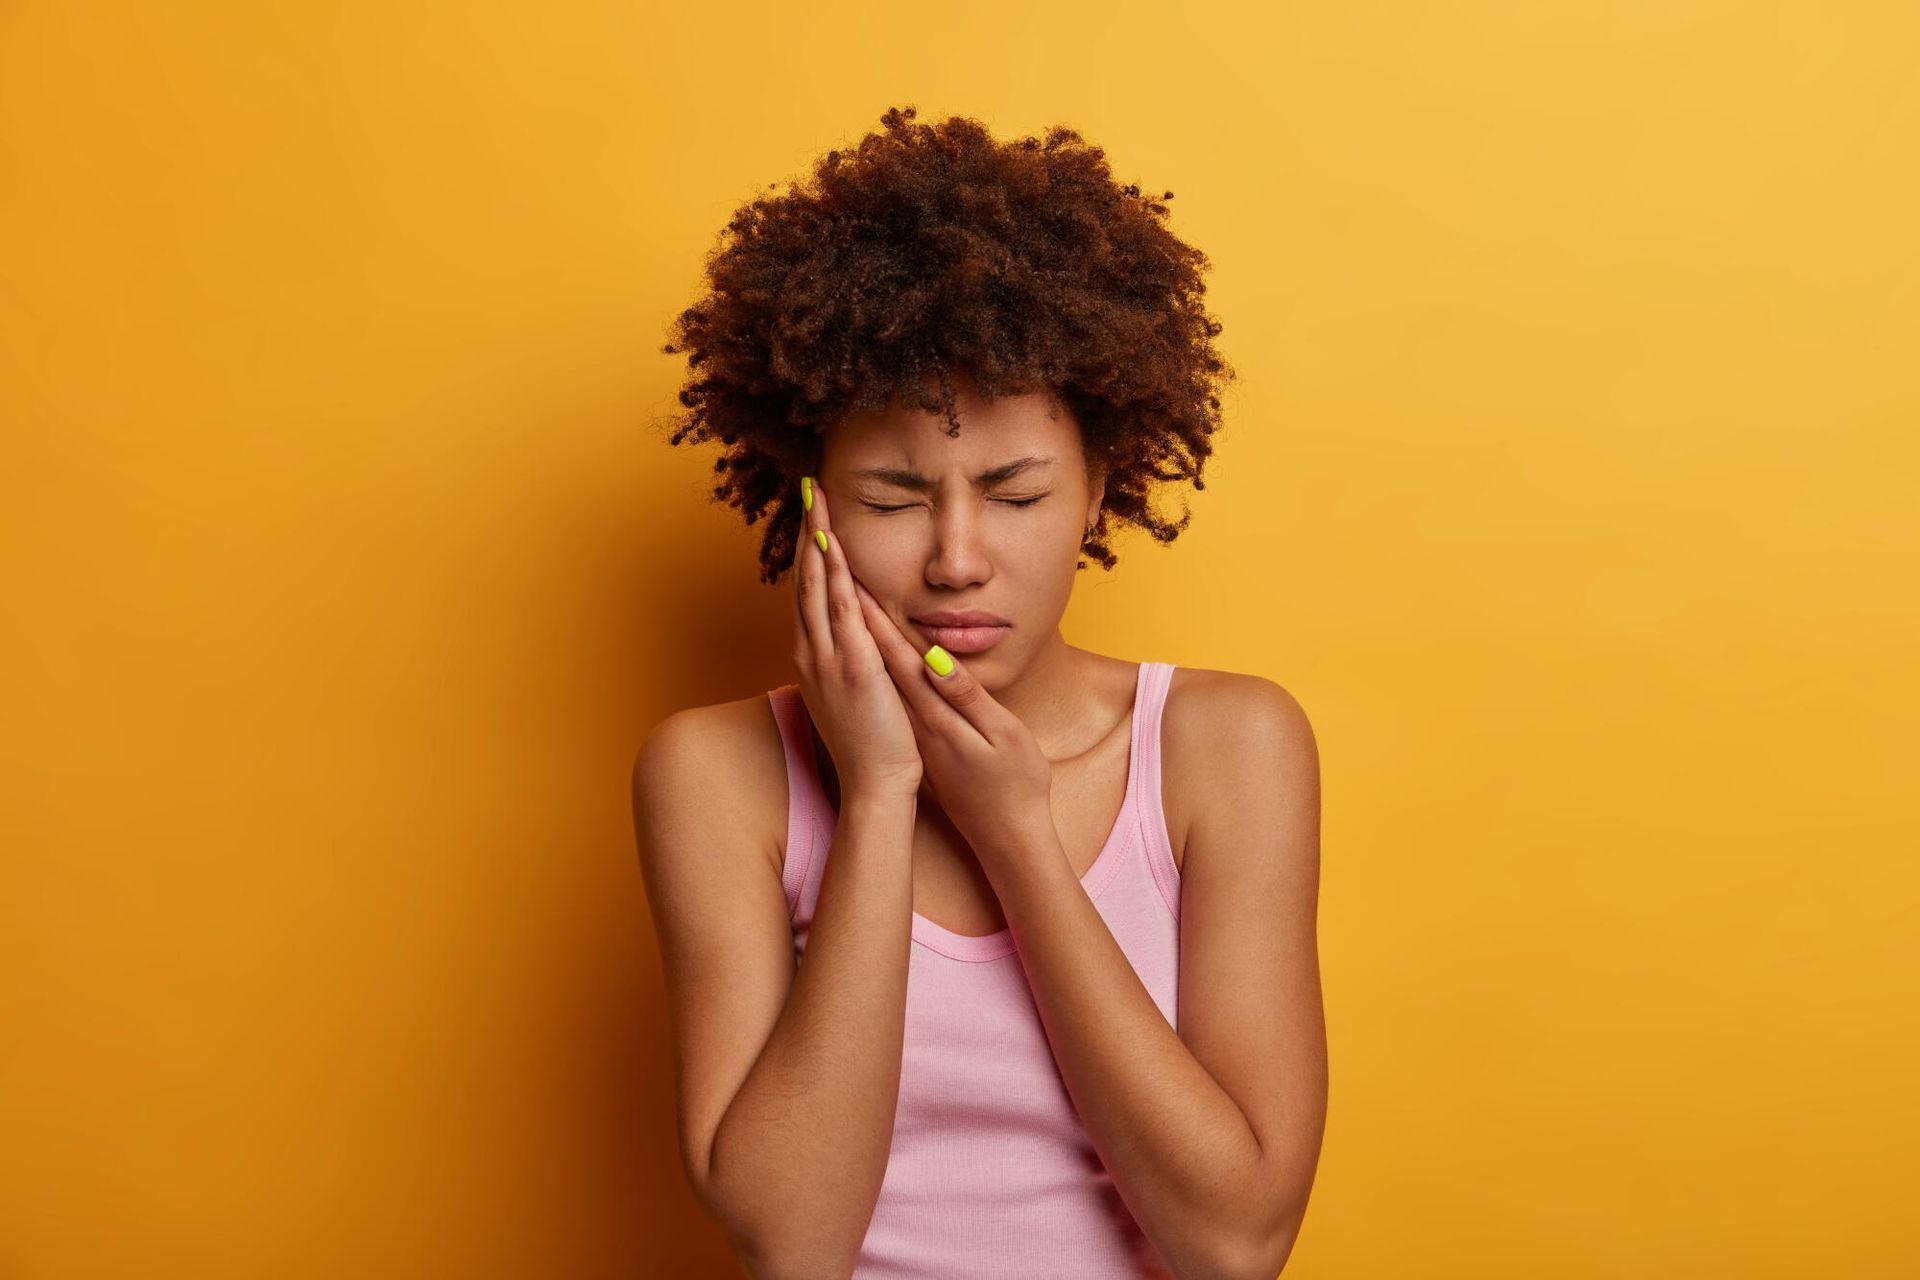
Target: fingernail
806, 493
820, 536
940, 660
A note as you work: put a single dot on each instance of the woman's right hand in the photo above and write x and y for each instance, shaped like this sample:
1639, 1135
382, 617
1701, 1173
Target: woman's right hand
849, 692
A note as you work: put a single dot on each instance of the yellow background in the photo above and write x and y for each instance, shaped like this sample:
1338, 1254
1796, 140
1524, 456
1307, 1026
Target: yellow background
1570, 484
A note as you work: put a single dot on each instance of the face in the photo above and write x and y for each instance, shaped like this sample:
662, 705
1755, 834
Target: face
989, 521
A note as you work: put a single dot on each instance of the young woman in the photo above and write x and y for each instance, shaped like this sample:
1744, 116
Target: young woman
986, 955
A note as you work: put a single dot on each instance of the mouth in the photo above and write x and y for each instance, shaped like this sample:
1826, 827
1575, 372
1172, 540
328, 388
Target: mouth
970, 632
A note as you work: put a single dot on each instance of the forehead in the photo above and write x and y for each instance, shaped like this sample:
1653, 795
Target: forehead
991, 433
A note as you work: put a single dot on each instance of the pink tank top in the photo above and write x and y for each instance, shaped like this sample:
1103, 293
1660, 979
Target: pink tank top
991, 1172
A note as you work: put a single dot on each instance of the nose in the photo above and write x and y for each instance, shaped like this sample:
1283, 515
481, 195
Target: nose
958, 557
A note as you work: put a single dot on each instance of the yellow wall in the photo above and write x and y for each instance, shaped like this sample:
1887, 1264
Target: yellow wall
1570, 484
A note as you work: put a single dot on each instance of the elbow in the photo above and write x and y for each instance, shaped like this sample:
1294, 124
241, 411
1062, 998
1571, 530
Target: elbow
1265, 1257
783, 1247
774, 1235
797, 1263
764, 1255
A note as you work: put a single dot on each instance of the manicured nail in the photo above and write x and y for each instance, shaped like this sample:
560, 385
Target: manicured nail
820, 536
940, 660
806, 493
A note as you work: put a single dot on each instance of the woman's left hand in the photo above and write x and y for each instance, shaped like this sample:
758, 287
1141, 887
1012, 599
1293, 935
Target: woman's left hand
979, 759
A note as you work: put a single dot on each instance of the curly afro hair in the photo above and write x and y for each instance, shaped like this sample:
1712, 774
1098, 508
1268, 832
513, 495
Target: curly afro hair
930, 252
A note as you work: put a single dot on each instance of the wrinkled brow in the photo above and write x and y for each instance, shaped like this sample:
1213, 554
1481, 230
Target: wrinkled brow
906, 478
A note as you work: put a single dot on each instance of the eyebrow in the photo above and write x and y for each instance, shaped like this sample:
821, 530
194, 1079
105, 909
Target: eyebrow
906, 478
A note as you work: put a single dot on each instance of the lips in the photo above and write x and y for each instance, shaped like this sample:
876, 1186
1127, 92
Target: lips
964, 639
963, 630
959, 618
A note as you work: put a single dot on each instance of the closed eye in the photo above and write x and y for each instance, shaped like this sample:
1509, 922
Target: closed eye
1011, 502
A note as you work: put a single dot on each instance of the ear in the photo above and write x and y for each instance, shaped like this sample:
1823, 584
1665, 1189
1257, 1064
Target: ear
1096, 495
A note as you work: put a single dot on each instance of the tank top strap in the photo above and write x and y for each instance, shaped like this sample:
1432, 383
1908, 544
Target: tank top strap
805, 794
1156, 680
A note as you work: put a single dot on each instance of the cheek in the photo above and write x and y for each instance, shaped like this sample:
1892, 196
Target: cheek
878, 562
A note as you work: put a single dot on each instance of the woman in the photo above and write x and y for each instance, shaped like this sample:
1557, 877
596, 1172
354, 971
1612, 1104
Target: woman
1059, 1012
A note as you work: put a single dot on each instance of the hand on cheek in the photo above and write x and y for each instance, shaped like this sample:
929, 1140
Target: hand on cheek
982, 763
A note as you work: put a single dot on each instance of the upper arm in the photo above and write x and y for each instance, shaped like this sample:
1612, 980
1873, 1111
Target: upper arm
1249, 1001
720, 915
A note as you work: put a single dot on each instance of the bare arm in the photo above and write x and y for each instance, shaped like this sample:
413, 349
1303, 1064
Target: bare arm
804, 1146
1211, 1133
787, 1096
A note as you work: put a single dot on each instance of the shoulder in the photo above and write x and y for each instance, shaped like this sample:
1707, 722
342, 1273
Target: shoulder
720, 734
1221, 713
1226, 735
726, 748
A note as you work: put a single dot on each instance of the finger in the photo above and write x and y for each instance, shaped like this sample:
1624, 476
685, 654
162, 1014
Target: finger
897, 651
886, 633
844, 613
901, 660
962, 693
810, 590
908, 667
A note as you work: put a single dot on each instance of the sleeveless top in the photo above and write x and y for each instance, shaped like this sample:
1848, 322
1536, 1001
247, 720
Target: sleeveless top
991, 1172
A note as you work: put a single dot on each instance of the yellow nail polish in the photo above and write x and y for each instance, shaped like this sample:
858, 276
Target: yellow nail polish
940, 660
806, 493
820, 536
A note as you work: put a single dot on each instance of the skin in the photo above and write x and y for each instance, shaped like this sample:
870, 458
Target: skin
962, 547
1210, 1131
988, 733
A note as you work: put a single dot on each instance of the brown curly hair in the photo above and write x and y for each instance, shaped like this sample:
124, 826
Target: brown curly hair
929, 252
